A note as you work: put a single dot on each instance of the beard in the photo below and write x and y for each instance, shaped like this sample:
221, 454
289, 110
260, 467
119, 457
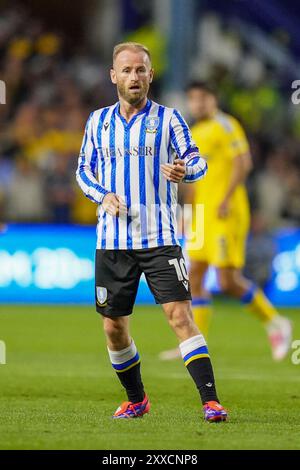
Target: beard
131, 97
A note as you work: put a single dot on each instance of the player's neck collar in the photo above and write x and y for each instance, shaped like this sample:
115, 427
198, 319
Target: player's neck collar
145, 109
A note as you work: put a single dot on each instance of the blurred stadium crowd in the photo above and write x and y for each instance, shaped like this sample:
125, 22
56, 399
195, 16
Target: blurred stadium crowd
49, 95
51, 90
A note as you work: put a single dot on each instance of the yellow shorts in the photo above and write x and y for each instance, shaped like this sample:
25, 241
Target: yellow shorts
223, 241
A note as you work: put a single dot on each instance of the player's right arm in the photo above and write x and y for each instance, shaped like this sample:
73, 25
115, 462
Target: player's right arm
87, 165
86, 175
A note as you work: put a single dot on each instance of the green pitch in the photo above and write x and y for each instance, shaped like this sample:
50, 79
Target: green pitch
57, 390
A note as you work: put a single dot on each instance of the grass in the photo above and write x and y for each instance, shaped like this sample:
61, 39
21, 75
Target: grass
57, 390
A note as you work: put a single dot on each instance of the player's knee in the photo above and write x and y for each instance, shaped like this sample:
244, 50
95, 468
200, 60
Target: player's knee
195, 281
226, 284
223, 285
193, 271
180, 318
196, 275
114, 330
196, 272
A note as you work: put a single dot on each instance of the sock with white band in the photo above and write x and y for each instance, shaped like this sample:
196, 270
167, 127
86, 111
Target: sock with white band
195, 355
126, 363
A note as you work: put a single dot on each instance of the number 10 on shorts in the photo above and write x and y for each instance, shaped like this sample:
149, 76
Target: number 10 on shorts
180, 268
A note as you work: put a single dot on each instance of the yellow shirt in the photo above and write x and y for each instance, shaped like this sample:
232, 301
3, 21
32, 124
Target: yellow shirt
220, 140
54, 141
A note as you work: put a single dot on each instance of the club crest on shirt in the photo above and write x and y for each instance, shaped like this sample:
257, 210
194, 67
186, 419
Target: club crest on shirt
152, 123
101, 295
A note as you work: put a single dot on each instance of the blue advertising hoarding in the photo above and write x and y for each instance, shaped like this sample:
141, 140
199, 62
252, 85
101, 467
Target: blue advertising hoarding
284, 286
55, 264
50, 264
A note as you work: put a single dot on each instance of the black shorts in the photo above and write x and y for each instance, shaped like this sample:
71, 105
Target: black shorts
118, 273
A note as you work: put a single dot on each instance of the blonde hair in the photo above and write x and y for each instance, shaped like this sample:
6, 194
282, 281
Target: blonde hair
135, 46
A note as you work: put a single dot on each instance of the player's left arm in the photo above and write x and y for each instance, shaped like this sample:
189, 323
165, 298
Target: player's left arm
190, 166
242, 165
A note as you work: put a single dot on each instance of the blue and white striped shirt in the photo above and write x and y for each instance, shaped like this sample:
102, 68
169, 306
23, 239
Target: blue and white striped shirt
124, 158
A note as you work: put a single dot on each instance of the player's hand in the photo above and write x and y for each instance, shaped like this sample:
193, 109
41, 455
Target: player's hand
223, 209
114, 205
174, 172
